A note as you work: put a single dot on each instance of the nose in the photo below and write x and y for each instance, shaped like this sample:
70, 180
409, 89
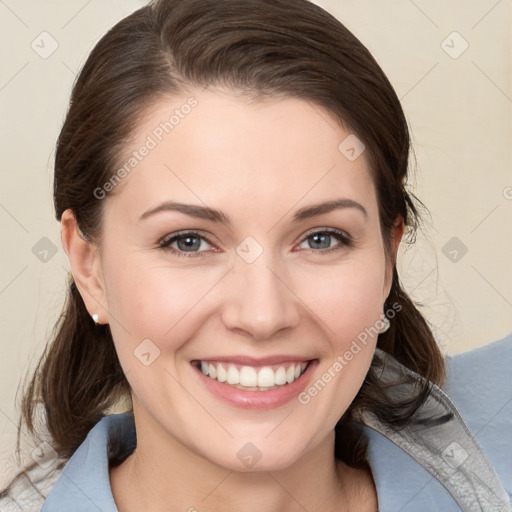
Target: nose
260, 302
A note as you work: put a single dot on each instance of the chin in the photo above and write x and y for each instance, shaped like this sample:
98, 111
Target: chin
254, 457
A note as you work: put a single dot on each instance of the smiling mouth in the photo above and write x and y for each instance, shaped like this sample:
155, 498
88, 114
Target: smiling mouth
250, 378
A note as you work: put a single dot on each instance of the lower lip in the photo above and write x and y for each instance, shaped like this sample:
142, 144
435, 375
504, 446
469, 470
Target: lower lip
257, 400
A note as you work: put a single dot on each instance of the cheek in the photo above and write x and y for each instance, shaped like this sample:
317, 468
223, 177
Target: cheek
349, 316
156, 302
155, 310
142, 290
347, 298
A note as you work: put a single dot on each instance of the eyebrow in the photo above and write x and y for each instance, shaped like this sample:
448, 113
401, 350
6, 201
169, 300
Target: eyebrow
206, 213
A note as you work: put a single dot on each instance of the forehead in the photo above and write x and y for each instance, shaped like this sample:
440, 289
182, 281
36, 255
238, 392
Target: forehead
221, 149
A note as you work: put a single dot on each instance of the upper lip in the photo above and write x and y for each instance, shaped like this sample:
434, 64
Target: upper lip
255, 361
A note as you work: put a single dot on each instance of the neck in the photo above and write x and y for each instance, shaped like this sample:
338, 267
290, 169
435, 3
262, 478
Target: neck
162, 470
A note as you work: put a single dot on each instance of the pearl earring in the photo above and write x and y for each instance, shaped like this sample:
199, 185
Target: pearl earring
95, 317
387, 325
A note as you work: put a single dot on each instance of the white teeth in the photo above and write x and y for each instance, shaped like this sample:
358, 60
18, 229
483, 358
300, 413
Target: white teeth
233, 375
222, 375
281, 376
266, 377
249, 378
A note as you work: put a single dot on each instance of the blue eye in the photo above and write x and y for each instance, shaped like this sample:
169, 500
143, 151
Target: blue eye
322, 240
190, 244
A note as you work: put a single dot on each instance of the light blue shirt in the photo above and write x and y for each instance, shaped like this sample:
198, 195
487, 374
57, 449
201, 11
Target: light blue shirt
452, 466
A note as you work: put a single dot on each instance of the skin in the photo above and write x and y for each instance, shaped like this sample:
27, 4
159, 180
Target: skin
259, 163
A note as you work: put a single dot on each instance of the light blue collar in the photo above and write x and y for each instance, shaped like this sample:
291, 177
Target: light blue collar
84, 485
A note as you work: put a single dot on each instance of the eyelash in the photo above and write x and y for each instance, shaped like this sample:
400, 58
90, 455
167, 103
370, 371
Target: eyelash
345, 239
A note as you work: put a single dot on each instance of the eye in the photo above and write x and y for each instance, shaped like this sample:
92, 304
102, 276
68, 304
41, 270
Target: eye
187, 244
322, 240
191, 244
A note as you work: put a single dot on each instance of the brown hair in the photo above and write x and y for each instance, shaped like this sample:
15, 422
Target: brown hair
260, 48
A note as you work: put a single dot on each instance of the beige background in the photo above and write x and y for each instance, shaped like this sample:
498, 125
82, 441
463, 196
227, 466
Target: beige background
459, 110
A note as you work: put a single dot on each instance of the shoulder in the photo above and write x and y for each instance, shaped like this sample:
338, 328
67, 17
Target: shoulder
489, 361
57, 484
455, 453
480, 384
86, 474
28, 491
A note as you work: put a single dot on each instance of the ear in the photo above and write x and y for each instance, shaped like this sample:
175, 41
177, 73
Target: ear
397, 232
85, 262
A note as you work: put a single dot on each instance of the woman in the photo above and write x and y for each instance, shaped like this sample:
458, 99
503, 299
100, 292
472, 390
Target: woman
231, 185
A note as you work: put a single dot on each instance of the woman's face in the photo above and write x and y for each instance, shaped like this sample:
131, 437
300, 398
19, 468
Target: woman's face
262, 272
